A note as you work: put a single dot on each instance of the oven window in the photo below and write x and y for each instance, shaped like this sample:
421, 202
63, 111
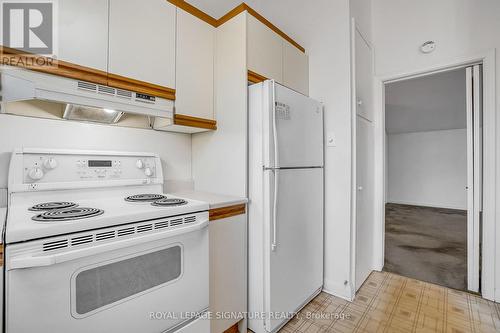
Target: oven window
103, 285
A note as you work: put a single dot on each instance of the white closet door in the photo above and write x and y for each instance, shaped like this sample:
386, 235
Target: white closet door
474, 174
364, 200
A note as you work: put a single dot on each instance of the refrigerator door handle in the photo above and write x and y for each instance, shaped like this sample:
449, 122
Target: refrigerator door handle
275, 131
274, 244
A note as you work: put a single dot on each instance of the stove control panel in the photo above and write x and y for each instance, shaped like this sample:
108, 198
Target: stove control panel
58, 167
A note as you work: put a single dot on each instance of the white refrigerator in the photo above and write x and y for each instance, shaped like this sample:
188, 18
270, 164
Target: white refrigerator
286, 204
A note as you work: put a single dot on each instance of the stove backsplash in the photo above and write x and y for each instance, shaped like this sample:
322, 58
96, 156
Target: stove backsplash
18, 132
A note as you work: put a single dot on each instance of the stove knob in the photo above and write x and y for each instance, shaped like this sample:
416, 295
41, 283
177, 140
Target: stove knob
148, 172
139, 164
50, 163
35, 173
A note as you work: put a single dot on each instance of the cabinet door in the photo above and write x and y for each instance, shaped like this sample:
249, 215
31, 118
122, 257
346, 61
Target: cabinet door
228, 274
295, 68
195, 66
364, 83
142, 40
265, 50
83, 33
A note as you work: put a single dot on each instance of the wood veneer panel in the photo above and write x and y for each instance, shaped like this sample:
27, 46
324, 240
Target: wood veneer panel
194, 11
255, 77
183, 120
225, 212
48, 65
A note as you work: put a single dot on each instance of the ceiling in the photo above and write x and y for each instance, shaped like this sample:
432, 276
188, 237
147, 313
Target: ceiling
215, 8
430, 103
298, 21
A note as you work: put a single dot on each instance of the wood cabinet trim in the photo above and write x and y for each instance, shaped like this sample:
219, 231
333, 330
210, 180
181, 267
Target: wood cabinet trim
65, 69
183, 120
255, 77
225, 212
274, 28
122, 82
232, 329
182, 4
52, 66
187, 7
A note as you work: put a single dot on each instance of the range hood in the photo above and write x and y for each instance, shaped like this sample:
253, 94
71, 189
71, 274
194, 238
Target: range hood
84, 101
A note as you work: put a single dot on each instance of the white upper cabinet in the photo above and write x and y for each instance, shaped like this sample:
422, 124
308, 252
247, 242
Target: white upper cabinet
142, 40
195, 66
295, 68
83, 33
265, 50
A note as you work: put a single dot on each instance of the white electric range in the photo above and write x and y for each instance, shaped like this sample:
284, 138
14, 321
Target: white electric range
93, 245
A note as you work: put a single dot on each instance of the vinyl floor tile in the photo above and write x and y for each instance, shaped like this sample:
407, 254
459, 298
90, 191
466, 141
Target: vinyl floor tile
388, 303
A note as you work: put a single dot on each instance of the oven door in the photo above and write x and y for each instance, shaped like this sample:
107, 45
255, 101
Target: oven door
145, 277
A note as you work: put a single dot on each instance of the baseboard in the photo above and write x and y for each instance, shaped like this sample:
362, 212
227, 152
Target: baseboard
338, 290
423, 204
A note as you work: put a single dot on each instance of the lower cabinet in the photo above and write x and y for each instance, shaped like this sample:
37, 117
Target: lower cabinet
228, 269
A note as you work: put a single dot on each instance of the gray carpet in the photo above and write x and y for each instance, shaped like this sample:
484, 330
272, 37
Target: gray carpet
428, 244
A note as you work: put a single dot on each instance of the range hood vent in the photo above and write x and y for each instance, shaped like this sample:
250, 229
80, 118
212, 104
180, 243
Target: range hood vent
85, 100
84, 113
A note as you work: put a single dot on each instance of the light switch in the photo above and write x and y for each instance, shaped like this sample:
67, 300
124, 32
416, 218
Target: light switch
330, 139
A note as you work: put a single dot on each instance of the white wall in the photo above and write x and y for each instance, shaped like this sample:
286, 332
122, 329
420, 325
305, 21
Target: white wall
329, 77
460, 28
18, 132
428, 168
324, 30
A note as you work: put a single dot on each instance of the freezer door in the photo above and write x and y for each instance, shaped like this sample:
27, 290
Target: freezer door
293, 268
293, 128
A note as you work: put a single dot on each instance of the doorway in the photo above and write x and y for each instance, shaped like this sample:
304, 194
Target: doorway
433, 177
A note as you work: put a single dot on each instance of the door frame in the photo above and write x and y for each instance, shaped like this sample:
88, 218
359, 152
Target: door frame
490, 253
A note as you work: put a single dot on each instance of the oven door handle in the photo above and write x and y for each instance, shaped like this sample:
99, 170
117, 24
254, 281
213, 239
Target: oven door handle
31, 261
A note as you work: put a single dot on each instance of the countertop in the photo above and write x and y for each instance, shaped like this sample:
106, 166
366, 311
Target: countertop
214, 200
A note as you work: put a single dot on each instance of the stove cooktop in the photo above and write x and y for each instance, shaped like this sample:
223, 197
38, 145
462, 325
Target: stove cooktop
148, 197
52, 205
51, 213
67, 214
167, 202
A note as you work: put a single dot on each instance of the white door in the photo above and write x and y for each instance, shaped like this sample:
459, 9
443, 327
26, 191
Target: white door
364, 160
195, 52
363, 77
295, 68
293, 269
142, 40
474, 174
264, 50
364, 200
296, 125
83, 33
